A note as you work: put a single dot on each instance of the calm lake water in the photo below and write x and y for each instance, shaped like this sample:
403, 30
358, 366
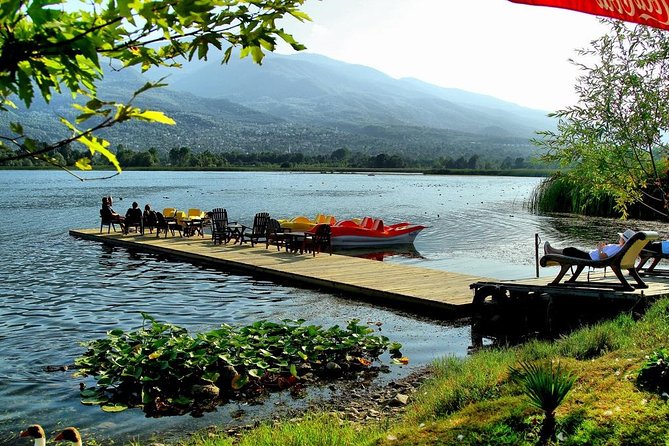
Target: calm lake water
58, 291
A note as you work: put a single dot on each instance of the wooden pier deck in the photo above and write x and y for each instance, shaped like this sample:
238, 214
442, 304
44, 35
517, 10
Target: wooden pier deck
596, 290
417, 289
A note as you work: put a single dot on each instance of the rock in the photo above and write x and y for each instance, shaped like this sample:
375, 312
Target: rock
333, 369
400, 400
208, 391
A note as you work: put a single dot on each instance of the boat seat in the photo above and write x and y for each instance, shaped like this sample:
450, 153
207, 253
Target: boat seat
367, 223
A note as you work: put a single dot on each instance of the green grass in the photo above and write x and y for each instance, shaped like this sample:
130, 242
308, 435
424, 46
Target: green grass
473, 401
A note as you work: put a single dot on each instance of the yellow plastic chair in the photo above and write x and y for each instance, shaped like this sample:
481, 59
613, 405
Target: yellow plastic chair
188, 225
195, 213
181, 217
169, 213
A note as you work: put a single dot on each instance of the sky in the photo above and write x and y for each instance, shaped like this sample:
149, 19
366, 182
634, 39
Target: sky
517, 53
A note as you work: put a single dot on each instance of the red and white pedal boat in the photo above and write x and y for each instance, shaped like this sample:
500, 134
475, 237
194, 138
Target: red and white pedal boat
370, 232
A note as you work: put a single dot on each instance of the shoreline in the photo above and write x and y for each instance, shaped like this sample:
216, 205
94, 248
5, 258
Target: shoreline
358, 402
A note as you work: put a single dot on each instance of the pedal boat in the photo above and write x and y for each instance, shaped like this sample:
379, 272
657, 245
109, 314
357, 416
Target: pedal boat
372, 233
302, 223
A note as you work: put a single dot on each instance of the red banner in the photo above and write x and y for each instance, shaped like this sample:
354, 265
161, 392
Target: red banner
648, 12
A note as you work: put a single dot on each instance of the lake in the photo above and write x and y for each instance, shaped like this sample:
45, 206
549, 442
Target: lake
59, 291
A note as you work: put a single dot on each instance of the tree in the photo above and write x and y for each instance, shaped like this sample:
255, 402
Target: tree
47, 49
180, 156
340, 155
612, 140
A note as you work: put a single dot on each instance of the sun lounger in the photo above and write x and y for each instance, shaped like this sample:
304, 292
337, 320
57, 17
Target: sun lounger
653, 252
625, 259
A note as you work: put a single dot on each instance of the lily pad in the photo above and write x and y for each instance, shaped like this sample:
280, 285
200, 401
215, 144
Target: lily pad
114, 407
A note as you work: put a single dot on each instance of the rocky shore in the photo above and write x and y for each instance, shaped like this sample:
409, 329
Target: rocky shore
354, 401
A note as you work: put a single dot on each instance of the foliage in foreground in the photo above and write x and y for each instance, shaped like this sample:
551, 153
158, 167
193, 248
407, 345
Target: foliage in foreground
612, 140
166, 371
473, 401
47, 48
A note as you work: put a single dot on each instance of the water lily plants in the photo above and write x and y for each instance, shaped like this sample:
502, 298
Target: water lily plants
166, 371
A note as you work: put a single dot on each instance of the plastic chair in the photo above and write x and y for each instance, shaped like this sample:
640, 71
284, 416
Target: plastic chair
169, 213
195, 213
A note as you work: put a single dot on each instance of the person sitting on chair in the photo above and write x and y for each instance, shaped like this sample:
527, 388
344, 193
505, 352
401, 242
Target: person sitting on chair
602, 251
149, 217
110, 215
133, 216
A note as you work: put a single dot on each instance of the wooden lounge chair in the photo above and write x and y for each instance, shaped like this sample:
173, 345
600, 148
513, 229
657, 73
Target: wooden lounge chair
318, 239
220, 226
258, 231
654, 253
276, 235
624, 259
165, 225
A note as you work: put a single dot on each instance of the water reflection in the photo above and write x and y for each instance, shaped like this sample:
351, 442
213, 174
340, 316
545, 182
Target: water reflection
383, 253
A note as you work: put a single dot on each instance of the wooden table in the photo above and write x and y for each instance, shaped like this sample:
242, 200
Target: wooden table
295, 240
236, 231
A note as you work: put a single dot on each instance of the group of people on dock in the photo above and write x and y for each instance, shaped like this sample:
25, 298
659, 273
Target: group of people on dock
133, 216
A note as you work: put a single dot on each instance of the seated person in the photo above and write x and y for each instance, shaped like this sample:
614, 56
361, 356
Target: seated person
133, 217
108, 214
601, 252
149, 217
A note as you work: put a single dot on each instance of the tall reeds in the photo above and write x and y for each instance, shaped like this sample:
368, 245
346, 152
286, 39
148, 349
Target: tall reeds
559, 194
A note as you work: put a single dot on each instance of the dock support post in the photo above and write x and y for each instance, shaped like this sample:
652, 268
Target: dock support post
536, 253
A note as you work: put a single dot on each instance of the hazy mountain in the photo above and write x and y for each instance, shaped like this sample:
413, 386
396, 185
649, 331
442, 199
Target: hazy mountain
318, 90
304, 102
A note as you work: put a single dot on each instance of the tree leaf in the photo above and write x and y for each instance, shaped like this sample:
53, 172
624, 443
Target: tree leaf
154, 116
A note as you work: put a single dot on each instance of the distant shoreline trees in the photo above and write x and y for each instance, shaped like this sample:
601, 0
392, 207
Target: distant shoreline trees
184, 157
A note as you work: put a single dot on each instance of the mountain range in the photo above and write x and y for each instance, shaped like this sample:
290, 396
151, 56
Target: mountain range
303, 103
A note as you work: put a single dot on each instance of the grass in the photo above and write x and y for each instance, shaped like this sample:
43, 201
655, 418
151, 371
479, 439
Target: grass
473, 401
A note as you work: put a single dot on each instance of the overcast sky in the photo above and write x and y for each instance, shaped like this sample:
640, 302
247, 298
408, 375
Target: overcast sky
517, 53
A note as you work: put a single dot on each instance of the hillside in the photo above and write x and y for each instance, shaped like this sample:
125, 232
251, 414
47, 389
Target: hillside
305, 103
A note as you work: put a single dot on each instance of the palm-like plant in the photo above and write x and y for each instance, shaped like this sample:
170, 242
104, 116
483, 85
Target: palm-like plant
546, 385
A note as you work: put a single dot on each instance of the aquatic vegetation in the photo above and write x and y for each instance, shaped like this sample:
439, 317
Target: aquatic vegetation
166, 371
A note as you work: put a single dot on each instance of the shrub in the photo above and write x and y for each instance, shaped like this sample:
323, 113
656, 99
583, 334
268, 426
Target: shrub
654, 374
546, 386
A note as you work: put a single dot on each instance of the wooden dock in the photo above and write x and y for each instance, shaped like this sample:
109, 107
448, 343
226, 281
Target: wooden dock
597, 289
417, 289
421, 290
